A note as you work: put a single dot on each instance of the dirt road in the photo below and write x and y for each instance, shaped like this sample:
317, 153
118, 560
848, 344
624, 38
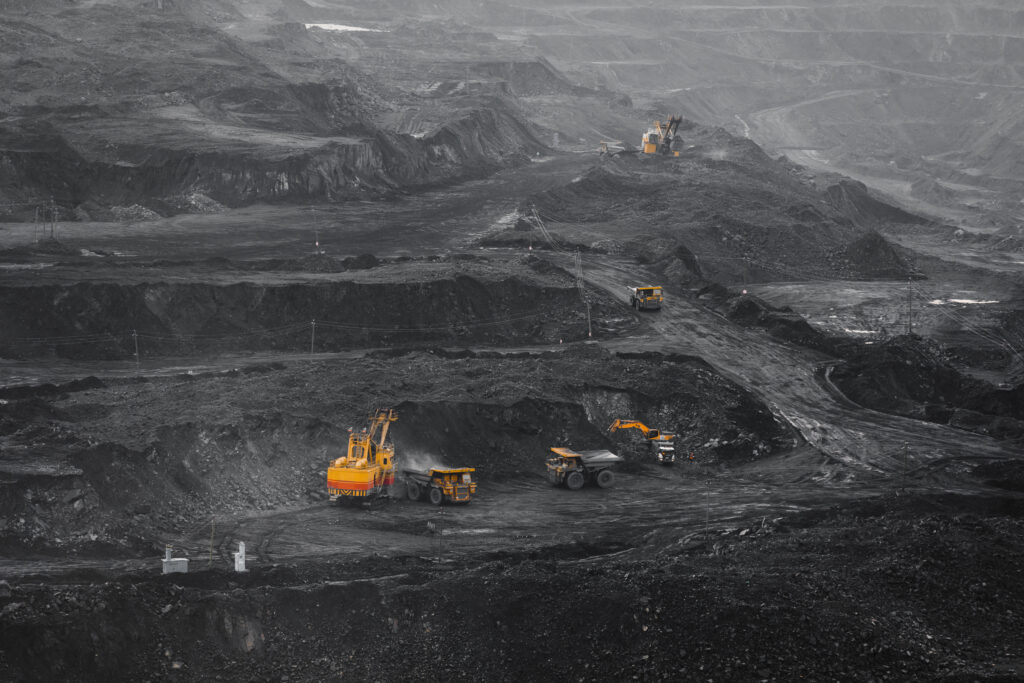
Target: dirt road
792, 382
530, 514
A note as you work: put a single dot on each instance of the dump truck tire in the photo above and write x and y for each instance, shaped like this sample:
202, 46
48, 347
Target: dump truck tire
412, 489
574, 481
436, 496
605, 478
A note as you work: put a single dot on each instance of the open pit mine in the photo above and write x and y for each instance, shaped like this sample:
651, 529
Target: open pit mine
395, 340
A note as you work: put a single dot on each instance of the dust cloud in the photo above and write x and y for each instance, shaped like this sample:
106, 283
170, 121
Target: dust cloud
419, 460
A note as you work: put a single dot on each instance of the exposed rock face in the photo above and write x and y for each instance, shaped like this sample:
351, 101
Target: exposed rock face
852, 198
90, 463
103, 107
154, 176
910, 376
248, 315
781, 323
870, 256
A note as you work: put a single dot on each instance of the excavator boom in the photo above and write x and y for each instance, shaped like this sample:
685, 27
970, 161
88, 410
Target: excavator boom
663, 443
383, 420
631, 424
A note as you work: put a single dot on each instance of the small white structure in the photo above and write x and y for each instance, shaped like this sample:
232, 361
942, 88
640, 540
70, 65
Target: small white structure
174, 565
240, 557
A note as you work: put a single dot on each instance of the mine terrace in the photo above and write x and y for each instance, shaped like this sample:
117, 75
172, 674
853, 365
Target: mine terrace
403, 340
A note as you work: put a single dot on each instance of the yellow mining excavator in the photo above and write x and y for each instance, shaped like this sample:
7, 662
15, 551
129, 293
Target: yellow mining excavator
660, 137
368, 470
662, 444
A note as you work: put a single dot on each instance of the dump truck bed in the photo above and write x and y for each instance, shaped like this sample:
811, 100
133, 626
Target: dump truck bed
598, 457
426, 475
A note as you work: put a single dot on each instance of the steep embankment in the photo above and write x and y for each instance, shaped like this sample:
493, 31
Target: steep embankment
722, 211
911, 376
158, 108
234, 173
107, 319
115, 464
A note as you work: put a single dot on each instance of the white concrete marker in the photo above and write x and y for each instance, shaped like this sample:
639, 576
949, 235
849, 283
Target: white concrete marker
240, 557
174, 565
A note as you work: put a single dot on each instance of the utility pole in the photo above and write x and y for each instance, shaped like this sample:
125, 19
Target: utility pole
582, 289
316, 232
903, 475
135, 339
53, 217
707, 515
440, 531
910, 313
312, 336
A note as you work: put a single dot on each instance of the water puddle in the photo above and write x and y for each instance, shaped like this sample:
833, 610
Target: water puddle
24, 266
943, 302
344, 27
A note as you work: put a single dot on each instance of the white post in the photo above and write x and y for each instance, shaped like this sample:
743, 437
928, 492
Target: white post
240, 557
174, 565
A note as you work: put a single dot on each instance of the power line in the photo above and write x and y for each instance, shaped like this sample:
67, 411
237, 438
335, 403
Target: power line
72, 338
580, 288
433, 328
274, 331
539, 222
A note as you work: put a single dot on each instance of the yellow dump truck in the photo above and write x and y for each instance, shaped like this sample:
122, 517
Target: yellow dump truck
646, 297
453, 485
367, 471
572, 470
